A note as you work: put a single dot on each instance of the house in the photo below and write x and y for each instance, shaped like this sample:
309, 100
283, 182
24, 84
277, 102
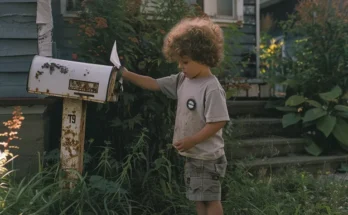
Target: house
24, 32
279, 11
30, 27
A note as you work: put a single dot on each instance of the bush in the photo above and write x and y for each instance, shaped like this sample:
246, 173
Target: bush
316, 64
12, 126
318, 59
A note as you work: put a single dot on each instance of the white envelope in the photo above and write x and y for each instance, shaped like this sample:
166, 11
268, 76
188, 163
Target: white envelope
116, 61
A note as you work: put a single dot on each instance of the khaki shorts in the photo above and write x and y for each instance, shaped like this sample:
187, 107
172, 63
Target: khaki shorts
203, 178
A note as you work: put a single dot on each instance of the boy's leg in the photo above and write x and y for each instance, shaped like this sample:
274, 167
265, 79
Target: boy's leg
214, 208
209, 208
202, 180
201, 208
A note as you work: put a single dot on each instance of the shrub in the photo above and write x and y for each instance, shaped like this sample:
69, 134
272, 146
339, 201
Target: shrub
12, 126
325, 118
316, 63
318, 59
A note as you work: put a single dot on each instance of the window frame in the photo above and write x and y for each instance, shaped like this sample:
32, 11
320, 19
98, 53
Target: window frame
210, 8
64, 12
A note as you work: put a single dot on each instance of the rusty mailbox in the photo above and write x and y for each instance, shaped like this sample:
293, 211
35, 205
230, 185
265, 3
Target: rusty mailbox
77, 83
70, 79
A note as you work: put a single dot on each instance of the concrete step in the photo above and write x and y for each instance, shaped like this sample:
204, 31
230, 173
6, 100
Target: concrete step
308, 163
264, 147
250, 107
246, 127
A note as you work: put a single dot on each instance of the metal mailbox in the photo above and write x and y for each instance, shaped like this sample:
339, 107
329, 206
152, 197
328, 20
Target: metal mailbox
77, 83
71, 79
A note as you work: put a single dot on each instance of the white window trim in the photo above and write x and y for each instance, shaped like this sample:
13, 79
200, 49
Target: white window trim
64, 12
210, 8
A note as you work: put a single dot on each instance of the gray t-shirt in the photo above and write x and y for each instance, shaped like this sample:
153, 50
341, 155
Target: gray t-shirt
200, 101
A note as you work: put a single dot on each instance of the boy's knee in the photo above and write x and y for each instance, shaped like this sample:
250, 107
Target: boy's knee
215, 202
207, 203
200, 204
214, 208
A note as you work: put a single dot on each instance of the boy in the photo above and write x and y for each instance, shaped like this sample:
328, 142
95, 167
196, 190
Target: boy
197, 45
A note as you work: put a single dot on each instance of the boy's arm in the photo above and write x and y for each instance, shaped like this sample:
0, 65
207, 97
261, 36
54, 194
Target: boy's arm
205, 133
142, 81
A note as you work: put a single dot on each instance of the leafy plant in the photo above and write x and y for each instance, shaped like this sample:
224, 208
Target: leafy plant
315, 57
12, 126
328, 115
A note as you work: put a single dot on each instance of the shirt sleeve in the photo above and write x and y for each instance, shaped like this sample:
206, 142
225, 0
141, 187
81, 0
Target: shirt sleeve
168, 85
216, 106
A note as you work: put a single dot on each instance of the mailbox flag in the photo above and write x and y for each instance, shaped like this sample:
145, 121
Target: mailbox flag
114, 57
116, 61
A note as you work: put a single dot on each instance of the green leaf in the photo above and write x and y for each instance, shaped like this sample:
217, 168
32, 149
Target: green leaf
343, 108
313, 114
341, 131
116, 122
343, 168
314, 103
295, 100
313, 149
287, 109
230, 93
343, 114
333, 94
345, 95
141, 65
326, 124
290, 119
292, 83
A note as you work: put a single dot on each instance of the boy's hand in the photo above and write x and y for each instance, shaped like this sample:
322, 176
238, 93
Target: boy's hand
208, 130
184, 144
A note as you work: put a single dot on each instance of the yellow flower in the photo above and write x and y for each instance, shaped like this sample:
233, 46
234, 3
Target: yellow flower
273, 46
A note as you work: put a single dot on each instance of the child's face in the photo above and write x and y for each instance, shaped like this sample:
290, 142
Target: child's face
192, 69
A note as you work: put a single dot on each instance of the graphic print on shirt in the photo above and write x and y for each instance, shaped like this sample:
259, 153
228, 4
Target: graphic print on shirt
191, 104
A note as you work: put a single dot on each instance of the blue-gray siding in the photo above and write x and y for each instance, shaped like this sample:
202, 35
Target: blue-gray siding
246, 44
18, 44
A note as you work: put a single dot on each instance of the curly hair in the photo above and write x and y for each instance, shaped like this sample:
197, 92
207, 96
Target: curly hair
197, 38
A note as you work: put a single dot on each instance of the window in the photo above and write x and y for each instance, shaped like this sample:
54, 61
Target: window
223, 10
70, 7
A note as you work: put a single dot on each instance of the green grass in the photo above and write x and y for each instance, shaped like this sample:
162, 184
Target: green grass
138, 186
291, 192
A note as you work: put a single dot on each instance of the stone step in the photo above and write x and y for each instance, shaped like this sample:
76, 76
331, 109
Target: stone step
250, 107
247, 127
264, 147
308, 163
